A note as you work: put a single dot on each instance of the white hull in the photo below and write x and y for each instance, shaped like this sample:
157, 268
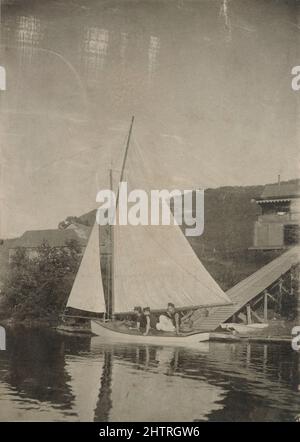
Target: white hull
100, 329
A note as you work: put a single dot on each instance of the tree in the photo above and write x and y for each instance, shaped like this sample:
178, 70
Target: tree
37, 288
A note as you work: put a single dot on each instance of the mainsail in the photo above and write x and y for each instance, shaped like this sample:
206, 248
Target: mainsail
155, 265
87, 291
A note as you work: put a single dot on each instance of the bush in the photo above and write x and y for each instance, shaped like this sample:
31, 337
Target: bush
37, 288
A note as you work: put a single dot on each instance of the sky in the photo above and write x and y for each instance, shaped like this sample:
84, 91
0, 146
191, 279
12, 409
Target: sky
209, 83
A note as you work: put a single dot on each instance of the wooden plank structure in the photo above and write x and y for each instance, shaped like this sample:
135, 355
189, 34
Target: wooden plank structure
252, 290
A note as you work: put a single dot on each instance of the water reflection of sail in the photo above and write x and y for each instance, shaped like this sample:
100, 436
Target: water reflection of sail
85, 382
172, 399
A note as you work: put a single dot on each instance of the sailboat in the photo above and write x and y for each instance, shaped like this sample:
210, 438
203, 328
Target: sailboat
150, 266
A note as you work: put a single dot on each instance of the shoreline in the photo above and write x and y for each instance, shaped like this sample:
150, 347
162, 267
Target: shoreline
277, 333
28, 323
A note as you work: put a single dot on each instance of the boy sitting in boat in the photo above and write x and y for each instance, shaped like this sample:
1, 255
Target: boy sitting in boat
169, 321
148, 321
138, 317
144, 320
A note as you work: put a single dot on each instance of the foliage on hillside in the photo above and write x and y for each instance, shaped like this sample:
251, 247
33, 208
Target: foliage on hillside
37, 288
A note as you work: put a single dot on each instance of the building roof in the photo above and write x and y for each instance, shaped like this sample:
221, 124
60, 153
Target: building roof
54, 237
82, 231
282, 190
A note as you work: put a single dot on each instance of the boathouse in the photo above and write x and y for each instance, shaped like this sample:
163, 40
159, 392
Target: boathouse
277, 226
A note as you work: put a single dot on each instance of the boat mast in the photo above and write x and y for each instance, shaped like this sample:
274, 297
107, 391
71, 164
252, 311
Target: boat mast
110, 306
112, 227
125, 158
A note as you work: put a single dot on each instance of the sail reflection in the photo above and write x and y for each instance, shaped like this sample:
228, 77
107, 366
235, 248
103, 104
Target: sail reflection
84, 383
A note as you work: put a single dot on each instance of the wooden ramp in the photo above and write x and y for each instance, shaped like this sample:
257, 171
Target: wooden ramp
246, 290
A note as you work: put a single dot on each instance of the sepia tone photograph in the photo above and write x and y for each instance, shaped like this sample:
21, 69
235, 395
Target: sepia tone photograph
149, 212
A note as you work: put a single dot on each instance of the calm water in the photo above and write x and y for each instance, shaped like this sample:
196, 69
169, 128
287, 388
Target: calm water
46, 376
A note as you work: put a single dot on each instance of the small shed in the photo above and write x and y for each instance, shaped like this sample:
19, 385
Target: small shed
277, 227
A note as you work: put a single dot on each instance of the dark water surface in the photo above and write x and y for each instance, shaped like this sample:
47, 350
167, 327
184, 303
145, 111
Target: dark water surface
47, 376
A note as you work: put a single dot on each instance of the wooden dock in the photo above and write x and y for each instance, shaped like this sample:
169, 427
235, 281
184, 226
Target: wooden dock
226, 337
248, 289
